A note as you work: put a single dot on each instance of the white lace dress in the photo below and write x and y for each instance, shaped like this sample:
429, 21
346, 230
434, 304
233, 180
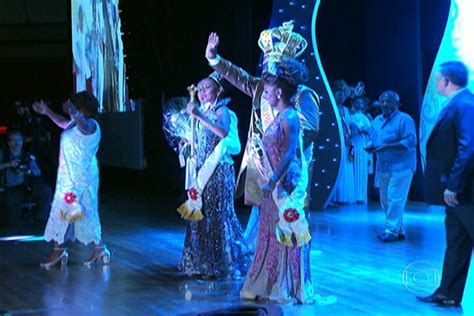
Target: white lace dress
78, 172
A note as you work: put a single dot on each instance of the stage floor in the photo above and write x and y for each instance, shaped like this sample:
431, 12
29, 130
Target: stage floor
145, 237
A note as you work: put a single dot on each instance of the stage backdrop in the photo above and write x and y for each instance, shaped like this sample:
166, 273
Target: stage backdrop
457, 44
97, 48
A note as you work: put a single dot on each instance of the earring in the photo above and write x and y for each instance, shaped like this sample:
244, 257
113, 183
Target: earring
278, 97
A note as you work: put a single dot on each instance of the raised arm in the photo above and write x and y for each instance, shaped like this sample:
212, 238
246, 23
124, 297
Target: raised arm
41, 108
238, 77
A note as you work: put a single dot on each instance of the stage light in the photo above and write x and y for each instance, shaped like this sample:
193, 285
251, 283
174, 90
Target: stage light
22, 238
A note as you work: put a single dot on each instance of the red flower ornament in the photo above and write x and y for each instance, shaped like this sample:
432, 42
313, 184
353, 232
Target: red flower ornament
70, 198
193, 194
291, 215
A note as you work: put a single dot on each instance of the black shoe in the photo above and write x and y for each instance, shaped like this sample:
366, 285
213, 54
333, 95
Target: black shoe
448, 303
387, 237
401, 236
433, 298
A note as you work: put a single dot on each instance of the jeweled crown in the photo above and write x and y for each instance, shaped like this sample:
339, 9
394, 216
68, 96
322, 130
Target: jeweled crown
280, 42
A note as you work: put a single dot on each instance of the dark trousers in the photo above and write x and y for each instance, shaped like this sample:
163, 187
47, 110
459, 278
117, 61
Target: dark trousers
16, 196
459, 225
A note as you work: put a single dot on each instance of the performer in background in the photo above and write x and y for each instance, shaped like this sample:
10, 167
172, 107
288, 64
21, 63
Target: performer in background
74, 212
394, 142
306, 101
213, 245
20, 179
360, 129
281, 270
344, 192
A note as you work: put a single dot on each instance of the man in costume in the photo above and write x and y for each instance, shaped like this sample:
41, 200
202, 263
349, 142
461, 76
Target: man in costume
276, 43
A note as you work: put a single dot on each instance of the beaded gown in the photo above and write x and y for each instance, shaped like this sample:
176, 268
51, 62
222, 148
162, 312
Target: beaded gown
278, 272
213, 246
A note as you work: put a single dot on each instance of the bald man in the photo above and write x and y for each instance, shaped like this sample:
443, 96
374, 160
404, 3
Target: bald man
394, 142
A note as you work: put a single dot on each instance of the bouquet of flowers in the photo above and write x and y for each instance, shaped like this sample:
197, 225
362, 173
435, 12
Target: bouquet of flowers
176, 122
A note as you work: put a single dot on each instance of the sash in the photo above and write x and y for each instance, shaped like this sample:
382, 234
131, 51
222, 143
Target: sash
293, 228
196, 180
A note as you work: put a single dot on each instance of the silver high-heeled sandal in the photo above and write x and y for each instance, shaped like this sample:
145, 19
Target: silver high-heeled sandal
104, 255
63, 258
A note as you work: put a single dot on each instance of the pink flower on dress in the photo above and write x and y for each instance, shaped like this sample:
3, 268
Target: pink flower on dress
193, 194
70, 198
291, 215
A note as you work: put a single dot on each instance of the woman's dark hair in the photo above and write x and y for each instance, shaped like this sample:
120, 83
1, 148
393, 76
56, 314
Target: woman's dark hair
289, 74
222, 84
86, 103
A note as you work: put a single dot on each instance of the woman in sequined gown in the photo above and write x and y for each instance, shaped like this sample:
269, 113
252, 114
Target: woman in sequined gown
213, 246
280, 273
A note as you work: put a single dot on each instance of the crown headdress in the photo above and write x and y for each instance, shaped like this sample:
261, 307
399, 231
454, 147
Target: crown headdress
279, 42
216, 77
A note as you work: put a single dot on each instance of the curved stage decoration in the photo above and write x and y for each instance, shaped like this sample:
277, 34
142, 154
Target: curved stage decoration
327, 152
457, 44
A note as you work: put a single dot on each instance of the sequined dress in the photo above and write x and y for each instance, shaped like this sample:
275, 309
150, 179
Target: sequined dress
278, 273
214, 246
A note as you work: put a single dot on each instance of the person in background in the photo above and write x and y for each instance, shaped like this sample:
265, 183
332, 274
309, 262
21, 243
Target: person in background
360, 130
344, 192
374, 110
20, 176
394, 142
37, 139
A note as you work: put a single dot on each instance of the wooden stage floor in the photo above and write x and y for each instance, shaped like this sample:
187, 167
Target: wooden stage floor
145, 237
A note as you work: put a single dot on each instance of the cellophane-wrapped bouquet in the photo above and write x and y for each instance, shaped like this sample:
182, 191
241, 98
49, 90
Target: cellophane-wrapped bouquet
176, 122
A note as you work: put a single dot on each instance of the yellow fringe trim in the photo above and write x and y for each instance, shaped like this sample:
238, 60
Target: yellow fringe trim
74, 217
287, 240
189, 215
